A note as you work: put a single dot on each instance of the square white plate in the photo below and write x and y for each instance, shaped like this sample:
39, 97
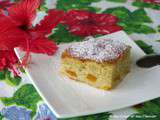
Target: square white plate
68, 98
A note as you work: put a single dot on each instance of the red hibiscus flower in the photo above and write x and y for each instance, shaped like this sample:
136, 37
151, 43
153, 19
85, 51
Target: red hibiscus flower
152, 1
29, 38
84, 23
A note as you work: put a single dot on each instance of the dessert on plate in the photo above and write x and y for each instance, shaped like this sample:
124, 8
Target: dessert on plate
99, 62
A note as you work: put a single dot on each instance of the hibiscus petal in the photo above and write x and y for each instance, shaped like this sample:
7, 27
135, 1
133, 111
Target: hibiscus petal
42, 45
24, 11
105, 19
88, 30
6, 21
49, 22
72, 16
7, 59
106, 29
9, 55
10, 35
81, 30
5, 3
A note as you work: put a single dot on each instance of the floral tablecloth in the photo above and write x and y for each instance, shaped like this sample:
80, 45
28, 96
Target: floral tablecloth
139, 18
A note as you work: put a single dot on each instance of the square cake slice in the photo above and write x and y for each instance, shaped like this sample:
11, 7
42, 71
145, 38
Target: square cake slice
99, 62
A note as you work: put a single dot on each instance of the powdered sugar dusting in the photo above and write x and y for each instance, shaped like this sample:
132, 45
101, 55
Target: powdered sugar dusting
98, 49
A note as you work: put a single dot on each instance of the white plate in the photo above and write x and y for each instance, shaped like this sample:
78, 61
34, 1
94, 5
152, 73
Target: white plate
68, 98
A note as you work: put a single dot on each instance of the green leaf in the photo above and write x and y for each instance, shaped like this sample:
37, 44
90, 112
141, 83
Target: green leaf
158, 40
126, 27
76, 4
132, 22
7, 101
26, 96
120, 12
138, 3
1, 117
22, 70
11, 80
156, 7
141, 4
100, 116
142, 29
145, 47
89, 1
61, 35
14, 81
150, 109
120, 1
43, 6
7, 77
158, 28
2, 74
140, 15
131, 27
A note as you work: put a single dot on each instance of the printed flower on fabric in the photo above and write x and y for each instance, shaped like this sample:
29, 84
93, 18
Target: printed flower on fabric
44, 113
85, 23
16, 113
152, 1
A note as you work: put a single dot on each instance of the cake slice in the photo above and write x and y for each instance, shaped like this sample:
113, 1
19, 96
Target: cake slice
99, 62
